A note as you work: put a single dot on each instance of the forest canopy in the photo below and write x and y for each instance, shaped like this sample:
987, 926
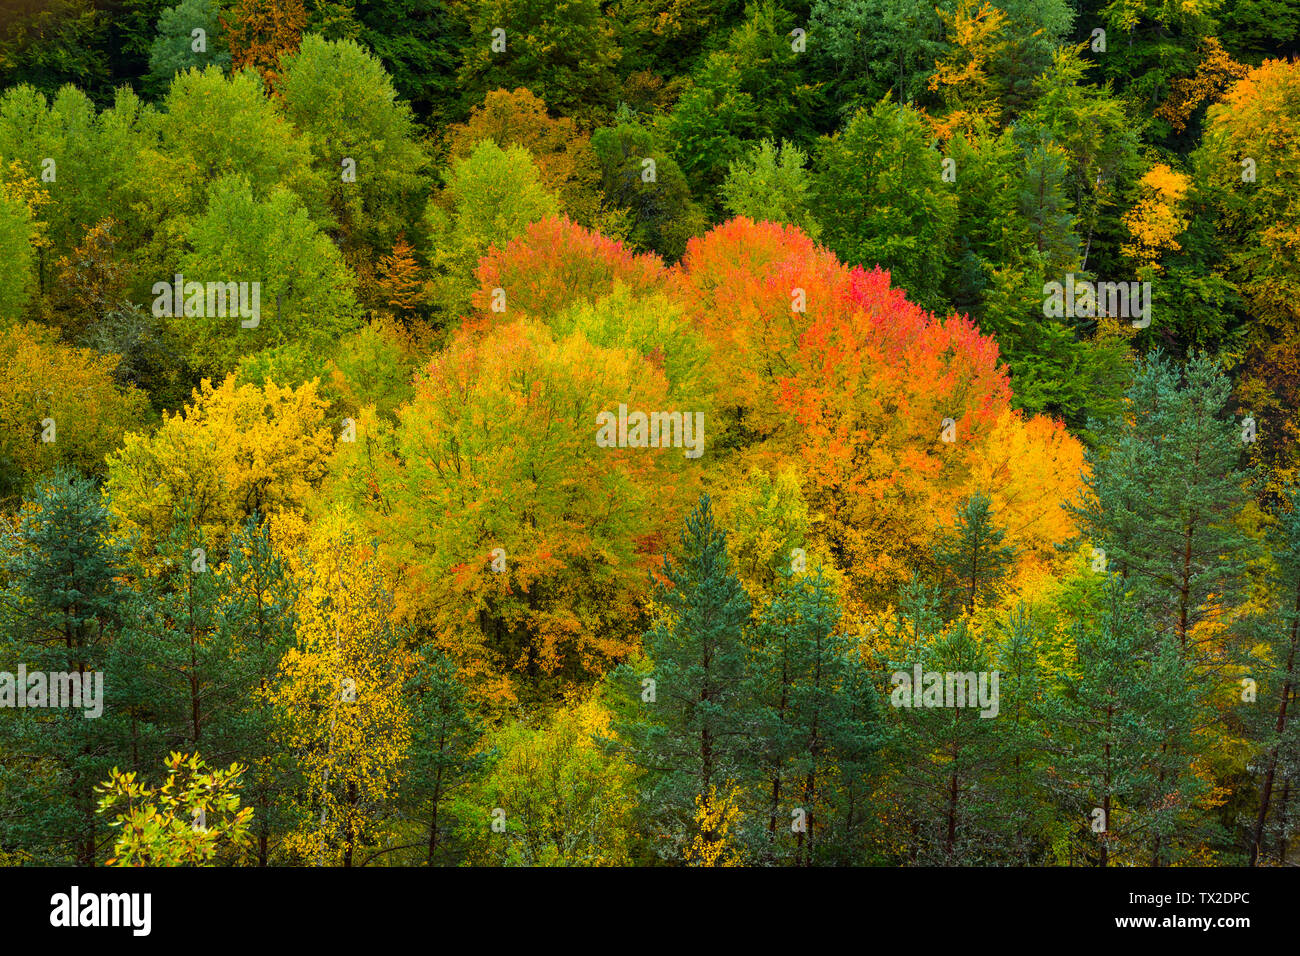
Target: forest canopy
649, 433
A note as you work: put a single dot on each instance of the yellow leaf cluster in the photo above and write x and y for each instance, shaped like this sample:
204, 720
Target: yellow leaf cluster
1158, 218
340, 695
234, 451
716, 818
1214, 74
17, 184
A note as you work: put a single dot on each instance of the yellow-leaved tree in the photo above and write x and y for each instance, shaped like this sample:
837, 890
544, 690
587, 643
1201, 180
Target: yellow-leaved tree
339, 693
234, 451
962, 76
1158, 218
1214, 74
1031, 465
716, 817
59, 406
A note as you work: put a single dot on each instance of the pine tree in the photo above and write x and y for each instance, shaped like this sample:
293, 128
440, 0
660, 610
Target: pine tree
816, 725
1021, 808
1122, 714
256, 619
690, 733
941, 757
204, 646
1275, 725
1163, 496
1161, 506
444, 753
1121, 718
61, 611
972, 556
173, 638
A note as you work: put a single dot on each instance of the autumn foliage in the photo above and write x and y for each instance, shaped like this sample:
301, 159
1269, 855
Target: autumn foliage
557, 262
262, 31
531, 434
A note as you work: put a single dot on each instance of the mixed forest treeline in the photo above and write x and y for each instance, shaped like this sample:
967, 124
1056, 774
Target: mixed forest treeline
311, 312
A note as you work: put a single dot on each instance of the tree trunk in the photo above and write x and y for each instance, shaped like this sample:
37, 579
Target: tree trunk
1105, 796
1266, 793
952, 816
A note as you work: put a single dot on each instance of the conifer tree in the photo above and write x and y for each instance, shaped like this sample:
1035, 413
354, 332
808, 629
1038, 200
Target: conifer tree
1122, 715
176, 46
1275, 722
183, 668
445, 733
398, 282
1044, 203
1161, 509
690, 733
1021, 808
261, 32
1163, 496
972, 556
816, 726
256, 618
941, 754
61, 610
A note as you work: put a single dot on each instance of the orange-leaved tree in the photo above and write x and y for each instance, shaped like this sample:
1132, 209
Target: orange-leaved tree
891, 413
260, 32
555, 263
